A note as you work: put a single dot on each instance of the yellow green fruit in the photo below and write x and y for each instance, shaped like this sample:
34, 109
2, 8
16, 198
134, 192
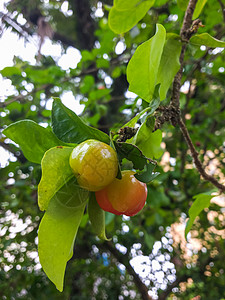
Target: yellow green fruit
94, 163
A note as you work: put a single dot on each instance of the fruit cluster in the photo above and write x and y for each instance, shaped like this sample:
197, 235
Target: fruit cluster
95, 166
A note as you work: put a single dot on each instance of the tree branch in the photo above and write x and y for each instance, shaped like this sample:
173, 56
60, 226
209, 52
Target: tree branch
188, 28
185, 34
194, 154
124, 259
185, 29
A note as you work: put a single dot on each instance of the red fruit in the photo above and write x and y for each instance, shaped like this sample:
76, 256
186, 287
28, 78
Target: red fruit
124, 196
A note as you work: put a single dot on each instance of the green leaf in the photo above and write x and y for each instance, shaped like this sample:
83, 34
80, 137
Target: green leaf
149, 240
201, 202
57, 233
33, 139
132, 153
97, 217
142, 69
198, 9
71, 194
126, 14
149, 142
68, 127
56, 171
84, 221
154, 105
157, 198
87, 55
206, 40
9, 71
182, 4
126, 4
87, 84
169, 64
147, 174
41, 76
98, 94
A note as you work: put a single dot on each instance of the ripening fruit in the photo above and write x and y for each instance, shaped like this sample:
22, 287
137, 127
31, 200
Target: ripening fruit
125, 196
94, 163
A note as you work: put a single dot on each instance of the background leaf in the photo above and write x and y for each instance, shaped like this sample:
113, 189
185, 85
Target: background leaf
9, 71
97, 217
56, 236
126, 14
182, 4
169, 64
201, 201
68, 127
206, 40
199, 7
56, 171
143, 67
33, 139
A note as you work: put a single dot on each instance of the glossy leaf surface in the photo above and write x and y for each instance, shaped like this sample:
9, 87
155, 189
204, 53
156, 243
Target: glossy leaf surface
56, 235
169, 64
143, 67
56, 172
69, 128
33, 139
